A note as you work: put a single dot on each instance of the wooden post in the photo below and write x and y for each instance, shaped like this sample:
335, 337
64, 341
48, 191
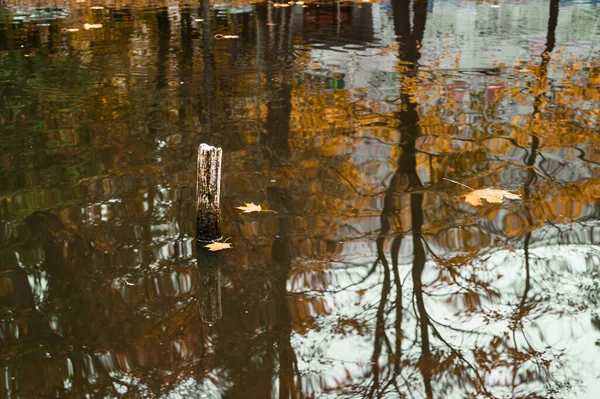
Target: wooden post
208, 194
208, 229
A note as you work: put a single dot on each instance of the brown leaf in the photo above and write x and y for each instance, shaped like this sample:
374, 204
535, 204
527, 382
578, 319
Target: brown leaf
250, 207
491, 195
218, 246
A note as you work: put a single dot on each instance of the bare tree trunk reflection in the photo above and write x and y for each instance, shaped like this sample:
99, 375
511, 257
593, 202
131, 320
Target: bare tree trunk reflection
164, 38
186, 61
278, 87
406, 177
162, 67
208, 64
278, 90
542, 75
277, 127
380, 318
399, 335
523, 308
409, 119
426, 362
289, 376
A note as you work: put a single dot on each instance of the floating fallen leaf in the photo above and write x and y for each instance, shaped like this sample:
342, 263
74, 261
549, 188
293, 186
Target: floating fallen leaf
92, 26
218, 246
250, 207
96, 8
219, 36
70, 30
491, 195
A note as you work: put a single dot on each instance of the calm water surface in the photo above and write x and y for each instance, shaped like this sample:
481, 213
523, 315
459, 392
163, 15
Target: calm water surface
374, 278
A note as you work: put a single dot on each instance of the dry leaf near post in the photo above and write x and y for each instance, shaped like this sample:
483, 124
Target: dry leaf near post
250, 207
218, 246
491, 195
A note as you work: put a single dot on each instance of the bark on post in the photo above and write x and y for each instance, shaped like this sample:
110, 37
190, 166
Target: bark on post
208, 229
208, 194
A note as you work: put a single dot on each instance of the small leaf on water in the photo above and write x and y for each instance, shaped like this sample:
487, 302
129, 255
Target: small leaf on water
218, 246
220, 36
92, 26
250, 207
491, 195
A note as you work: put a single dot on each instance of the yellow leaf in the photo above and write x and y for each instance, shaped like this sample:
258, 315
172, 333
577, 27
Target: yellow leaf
491, 195
92, 26
250, 207
218, 246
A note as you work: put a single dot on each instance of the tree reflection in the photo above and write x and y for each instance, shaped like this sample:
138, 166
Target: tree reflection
208, 65
436, 365
406, 179
523, 309
278, 45
270, 353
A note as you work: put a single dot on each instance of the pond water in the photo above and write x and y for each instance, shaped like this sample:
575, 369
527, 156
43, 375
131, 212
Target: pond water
352, 122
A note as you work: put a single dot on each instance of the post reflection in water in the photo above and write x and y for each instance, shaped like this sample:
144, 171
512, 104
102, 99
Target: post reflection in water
209, 284
369, 275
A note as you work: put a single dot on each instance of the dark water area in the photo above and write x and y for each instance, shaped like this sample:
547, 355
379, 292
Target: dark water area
373, 277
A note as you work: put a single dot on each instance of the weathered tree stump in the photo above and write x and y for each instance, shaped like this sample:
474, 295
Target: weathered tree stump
208, 194
208, 229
